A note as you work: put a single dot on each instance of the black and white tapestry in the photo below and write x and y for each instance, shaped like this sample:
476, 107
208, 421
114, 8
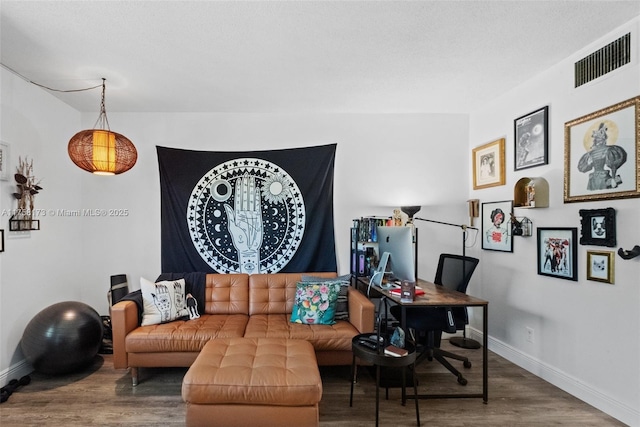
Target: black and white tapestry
249, 212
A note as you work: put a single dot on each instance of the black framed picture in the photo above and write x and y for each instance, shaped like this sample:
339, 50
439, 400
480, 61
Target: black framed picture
558, 252
531, 139
495, 226
598, 227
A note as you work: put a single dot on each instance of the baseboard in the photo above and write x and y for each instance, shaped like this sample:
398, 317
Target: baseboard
562, 380
15, 372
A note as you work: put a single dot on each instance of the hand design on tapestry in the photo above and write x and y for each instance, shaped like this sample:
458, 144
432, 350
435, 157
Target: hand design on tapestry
245, 224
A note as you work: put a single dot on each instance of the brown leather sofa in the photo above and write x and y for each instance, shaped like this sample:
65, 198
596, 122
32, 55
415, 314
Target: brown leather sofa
237, 305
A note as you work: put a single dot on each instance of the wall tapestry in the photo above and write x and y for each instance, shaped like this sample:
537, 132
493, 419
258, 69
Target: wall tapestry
247, 212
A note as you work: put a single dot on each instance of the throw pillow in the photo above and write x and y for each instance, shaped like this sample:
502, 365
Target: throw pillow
342, 306
163, 301
315, 303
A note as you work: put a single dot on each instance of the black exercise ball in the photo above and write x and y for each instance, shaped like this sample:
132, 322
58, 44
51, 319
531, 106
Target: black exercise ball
62, 338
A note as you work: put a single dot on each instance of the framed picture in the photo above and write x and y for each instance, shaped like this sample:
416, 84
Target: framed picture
1, 240
488, 165
531, 139
600, 266
601, 154
598, 227
496, 218
4, 161
558, 252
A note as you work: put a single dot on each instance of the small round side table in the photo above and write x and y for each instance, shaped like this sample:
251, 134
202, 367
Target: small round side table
378, 358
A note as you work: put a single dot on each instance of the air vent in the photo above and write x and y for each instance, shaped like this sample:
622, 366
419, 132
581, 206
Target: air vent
612, 56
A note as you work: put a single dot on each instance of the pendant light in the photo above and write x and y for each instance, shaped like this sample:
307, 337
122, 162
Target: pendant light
101, 151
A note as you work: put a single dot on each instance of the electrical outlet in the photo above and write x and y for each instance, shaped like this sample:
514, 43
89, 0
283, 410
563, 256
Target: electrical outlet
530, 335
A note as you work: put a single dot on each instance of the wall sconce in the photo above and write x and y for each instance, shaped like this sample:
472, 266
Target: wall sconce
101, 151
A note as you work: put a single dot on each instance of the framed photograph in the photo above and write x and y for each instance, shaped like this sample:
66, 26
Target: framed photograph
4, 161
531, 139
601, 154
1, 240
488, 165
600, 266
598, 227
558, 252
496, 220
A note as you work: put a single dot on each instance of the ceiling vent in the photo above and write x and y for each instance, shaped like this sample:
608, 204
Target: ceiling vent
612, 56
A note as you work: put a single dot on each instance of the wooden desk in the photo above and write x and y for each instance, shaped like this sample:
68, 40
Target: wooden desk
439, 296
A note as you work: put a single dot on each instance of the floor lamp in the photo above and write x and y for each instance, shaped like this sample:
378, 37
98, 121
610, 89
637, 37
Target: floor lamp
463, 341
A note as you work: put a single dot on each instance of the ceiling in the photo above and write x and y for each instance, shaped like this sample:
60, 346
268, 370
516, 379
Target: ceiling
295, 56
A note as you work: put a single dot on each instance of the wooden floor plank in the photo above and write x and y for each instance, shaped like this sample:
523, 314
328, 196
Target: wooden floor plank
103, 396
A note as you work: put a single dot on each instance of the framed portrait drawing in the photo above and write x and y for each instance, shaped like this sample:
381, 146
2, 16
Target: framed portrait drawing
488, 165
601, 154
4, 161
558, 252
598, 227
531, 139
600, 266
496, 229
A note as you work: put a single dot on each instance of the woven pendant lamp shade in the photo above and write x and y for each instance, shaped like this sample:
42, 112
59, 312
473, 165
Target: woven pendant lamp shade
102, 152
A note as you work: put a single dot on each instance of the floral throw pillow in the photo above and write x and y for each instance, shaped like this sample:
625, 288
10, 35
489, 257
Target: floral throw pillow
163, 301
342, 307
315, 303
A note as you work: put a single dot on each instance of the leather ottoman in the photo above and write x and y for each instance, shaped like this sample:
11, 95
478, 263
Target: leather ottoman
253, 381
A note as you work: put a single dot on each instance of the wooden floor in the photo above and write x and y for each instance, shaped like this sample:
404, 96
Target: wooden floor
102, 396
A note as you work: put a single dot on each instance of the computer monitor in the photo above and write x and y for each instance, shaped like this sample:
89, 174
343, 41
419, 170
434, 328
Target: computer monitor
397, 242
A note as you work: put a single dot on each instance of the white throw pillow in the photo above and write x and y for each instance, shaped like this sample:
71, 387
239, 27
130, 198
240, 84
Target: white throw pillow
163, 301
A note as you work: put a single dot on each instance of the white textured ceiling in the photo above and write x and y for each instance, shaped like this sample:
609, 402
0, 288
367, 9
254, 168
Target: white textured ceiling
296, 56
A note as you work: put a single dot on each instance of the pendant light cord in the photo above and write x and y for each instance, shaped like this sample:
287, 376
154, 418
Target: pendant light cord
52, 89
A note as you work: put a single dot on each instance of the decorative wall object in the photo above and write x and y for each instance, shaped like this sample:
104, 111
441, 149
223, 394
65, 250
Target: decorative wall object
602, 155
496, 233
531, 139
531, 192
27, 188
598, 227
600, 266
4, 161
1, 240
558, 252
249, 212
489, 165
629, 254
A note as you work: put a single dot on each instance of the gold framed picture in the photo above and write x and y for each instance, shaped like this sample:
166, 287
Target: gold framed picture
602, 155
489, 165
600, 266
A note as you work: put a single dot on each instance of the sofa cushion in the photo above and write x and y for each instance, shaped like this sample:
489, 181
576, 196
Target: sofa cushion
163, 301
336, 337
315, 303
185, 335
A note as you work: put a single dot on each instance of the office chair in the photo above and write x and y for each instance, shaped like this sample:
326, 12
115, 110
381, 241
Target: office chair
428, 323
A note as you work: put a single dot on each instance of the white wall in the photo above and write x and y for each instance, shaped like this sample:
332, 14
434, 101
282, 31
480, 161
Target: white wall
382, 161
37, 268
586, 337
